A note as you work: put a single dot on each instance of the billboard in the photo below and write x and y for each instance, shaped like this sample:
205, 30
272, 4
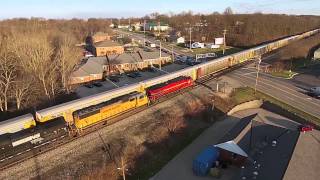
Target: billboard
218, 41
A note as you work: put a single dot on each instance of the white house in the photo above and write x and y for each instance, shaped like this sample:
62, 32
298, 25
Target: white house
152, 26
180, 40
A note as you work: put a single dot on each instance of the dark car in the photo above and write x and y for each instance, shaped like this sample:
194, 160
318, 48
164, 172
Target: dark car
114, 78
192, 62
151, 70
88, 85
134, 74
97, 84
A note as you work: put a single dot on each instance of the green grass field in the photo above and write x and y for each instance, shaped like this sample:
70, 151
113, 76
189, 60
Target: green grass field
284, 74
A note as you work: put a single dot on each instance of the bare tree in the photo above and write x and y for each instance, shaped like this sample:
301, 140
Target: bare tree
68, 55
173, 121
22, 91
7, 72
228, 11
35, 53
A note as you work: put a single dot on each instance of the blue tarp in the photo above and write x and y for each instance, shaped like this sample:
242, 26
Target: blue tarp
205, 160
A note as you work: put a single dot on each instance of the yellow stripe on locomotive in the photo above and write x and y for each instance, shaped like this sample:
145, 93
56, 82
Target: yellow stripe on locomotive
91, 115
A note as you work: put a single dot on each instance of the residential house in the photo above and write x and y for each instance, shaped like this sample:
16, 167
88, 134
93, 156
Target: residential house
154, 26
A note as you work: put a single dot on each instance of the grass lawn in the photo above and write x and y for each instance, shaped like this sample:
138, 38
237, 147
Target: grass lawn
243, 94
283, 74
162, 157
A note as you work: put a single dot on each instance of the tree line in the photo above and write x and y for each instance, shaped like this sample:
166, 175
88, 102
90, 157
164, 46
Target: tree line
37, 57
243, 30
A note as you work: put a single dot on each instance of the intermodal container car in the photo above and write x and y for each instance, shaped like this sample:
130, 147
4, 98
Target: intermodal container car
173, 85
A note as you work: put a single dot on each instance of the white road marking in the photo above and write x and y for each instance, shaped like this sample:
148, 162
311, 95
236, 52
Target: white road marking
27, 150
19, 153
249, 73
9, 157
3, 159
112, 82
161, 70
282, 89
261, 82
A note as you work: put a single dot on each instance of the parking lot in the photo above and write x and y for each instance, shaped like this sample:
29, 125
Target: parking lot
125, 79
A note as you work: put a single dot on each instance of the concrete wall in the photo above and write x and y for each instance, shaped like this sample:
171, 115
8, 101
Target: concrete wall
247, 105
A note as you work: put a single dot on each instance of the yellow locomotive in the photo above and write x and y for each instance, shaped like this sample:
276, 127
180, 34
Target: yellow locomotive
93, 114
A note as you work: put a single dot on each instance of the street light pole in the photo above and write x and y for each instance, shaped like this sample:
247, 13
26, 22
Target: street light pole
224, 41
258, 68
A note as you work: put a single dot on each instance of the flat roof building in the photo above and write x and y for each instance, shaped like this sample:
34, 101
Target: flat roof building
100, 36
108, 47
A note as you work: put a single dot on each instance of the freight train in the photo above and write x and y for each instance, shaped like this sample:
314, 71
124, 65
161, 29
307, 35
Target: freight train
25, 129
87, 111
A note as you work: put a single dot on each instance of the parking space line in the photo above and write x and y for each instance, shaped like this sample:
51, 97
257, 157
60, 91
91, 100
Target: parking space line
161, 70
112, 82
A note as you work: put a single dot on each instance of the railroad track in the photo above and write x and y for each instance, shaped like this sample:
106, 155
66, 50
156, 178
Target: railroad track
64, 139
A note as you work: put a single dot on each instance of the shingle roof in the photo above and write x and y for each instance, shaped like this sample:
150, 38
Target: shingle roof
94, 65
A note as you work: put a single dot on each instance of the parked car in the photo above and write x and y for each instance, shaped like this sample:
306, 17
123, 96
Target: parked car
88, 85
151, 70
305, 128
97, 84
134, 74
192, 62
114, 78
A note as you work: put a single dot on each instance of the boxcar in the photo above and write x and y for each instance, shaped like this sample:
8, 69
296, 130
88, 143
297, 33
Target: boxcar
94, 114
173, 85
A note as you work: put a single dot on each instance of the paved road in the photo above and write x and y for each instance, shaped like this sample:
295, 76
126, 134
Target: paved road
281, 89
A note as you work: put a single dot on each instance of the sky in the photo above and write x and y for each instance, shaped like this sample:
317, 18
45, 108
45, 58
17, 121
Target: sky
137, 8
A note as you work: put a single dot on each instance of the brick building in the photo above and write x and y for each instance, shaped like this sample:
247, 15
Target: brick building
100, 36
107, 47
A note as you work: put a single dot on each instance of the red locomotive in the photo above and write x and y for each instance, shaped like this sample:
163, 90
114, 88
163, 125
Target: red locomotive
157, 91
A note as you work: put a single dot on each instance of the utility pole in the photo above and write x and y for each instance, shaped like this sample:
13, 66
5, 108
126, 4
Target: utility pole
172, 53
224, 41
119, 23
123, 167
159, 54
258, 68
159, 27
144, 32
190, 38
160, 48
